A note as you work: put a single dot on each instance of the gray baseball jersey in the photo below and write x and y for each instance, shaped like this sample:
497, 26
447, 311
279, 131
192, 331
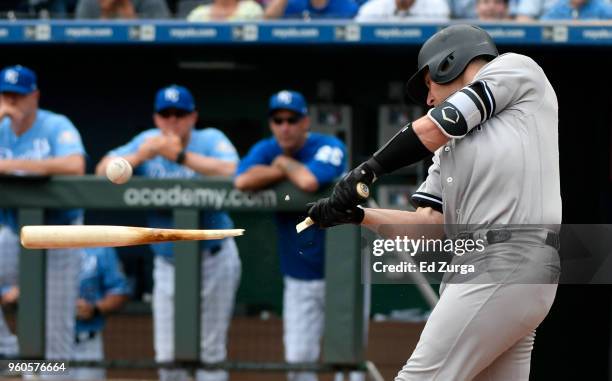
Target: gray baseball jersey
504, 167
501, 166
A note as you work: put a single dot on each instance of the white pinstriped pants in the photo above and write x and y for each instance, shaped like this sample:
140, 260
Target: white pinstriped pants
63, 266
220, 279
303, 322
89, 350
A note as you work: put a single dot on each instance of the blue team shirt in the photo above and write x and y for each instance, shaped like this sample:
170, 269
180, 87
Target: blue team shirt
100, 275
301, 255
335, 9
51, 135
594, 9
208, 142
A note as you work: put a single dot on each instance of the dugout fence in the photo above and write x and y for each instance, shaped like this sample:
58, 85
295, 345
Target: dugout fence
344, 340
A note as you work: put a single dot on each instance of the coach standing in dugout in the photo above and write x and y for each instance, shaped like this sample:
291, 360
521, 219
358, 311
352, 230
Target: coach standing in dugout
493, 127
39, 142
309, 161
176, 150
103, 289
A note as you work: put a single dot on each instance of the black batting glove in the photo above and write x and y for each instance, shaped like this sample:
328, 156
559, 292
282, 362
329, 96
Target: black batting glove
344, 195
325, 214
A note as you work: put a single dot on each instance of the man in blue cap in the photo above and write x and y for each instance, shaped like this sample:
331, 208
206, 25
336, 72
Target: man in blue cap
37, 141
309, 161
175, 149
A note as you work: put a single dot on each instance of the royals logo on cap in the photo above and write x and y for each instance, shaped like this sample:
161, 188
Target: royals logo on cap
174, 96
11, 76
288, 100
17, 79
171, 95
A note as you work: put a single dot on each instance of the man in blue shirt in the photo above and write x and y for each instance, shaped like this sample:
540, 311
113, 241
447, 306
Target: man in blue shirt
579, 10
309, 161
103, 290
311, 9
36, 141
175, 149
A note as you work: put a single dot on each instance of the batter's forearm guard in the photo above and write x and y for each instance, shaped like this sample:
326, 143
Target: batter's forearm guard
403, 149
464, 110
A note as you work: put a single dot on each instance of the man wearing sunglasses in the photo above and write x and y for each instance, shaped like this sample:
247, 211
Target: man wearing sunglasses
175, 149
309, 161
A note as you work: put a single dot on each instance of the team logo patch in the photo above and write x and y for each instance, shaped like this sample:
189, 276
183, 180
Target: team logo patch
171, 95
11, 76
285, 97
224, 147
67, 137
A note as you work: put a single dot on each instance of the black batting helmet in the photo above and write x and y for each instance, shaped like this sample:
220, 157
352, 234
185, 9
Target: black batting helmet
446, 55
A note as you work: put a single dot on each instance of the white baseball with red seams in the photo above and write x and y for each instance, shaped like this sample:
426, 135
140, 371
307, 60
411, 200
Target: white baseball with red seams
119, 170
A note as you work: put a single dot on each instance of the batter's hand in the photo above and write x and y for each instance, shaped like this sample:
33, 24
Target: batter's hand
344, 195
325, 215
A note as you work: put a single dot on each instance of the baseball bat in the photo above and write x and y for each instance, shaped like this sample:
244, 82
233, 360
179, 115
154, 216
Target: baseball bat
362, 190
76, 236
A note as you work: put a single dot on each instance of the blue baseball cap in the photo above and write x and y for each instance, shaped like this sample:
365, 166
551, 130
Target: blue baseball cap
288, 100
17, 79
174, 96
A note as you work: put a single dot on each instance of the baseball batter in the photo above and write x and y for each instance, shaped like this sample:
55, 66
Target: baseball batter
493, 130
175, 149
38, 141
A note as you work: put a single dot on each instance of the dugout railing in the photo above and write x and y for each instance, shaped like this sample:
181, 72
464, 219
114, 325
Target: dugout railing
344, 339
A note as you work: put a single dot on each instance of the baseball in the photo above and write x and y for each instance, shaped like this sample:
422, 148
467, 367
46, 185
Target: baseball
118, 170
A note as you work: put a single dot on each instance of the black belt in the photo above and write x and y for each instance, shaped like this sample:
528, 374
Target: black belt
214, 250
500, 235
82, 337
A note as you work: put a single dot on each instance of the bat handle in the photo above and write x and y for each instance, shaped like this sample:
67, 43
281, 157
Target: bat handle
304, 225
362, 190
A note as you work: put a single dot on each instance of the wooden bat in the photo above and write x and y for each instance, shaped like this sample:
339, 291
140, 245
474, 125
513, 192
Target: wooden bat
75, 236
362, 190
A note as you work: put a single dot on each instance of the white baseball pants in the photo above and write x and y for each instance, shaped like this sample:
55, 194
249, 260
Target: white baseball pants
63, 266
303, 322
89, 350
220, 279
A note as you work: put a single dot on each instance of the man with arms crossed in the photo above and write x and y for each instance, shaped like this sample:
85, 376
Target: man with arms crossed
309, 161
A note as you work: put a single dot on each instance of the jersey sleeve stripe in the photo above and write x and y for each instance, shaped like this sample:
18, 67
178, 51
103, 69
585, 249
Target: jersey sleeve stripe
428, 197
477, 101
490, 97
479, 88
425, 200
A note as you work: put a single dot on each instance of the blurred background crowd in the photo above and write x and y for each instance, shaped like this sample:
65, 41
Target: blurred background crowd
359, 10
